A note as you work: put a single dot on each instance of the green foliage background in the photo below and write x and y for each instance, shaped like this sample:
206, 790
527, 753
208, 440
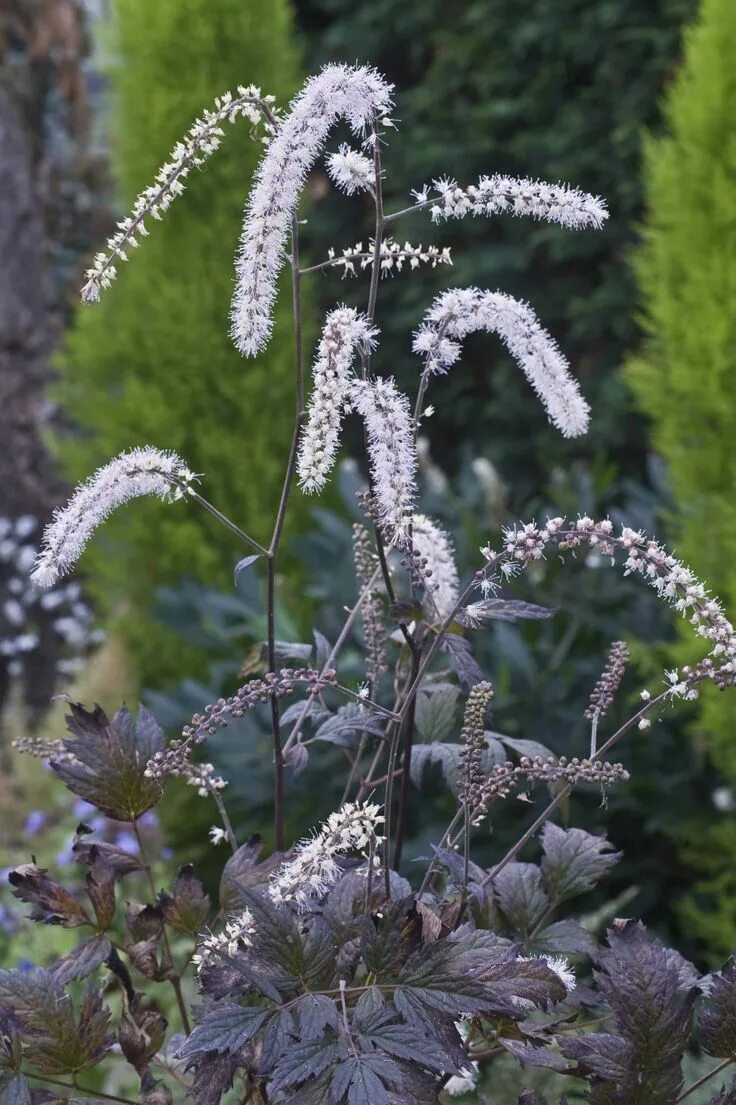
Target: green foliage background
152, 362
558, 91
683, 379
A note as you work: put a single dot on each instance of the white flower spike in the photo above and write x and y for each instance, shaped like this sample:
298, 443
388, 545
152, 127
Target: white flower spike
354, 93
143, 471
461, 311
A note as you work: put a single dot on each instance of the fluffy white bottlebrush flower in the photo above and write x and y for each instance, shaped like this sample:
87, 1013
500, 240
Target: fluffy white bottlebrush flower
498, 194
442, 583
344, 333
461, 311
314, 867
142, 471
354, 93
350, 170
391, 450
238, 933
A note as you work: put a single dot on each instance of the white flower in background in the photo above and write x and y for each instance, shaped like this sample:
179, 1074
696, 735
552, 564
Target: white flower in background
350, 171
314, 867
24, 611
497, 194
442, 583
385, 411
723, 799
462, 1083
218, 835
354, 93
144, 471
238, 933
461, 311
344, 333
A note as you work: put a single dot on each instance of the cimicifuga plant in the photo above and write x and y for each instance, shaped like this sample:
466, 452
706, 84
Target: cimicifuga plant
326, 973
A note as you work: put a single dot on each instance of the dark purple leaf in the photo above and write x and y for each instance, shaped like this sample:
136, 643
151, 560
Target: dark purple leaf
51, 903
574, 861
225, 1028
82, 961
188, 906
717, 1016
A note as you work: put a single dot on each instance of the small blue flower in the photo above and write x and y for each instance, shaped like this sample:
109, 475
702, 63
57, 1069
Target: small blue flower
127, 842
35, 821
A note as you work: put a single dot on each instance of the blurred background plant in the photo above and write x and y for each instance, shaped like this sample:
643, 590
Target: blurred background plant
561, 91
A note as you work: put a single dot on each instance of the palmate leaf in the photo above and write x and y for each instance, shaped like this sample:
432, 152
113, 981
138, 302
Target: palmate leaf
61, 1042
471, 970
639, 1064
110, 759
364, 1079
315, 1013
50, 902
278, 1036
187, 907
344, 726
447, 757
225, 1028
463, 662
520, 893
435, 714
717, 1016
82, 961
242, 871
303, 1062
214, 1077
574, 861
408, 1042
535, 1056
566, 937
387, 940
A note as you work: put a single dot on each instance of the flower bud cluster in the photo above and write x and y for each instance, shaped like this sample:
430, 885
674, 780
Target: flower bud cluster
372, 609
203, 138
43, 748
176, 758
391, 256
504, 778
668, 576
472, 736
314, 867
604, 692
